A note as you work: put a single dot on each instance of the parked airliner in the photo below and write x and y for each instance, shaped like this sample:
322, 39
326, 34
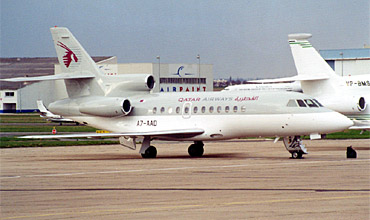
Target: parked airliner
125, 106
348, 95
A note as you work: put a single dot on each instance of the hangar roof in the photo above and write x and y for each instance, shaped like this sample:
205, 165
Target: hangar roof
25, 66
361, 53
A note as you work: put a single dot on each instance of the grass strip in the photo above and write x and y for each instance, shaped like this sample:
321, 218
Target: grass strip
45, 128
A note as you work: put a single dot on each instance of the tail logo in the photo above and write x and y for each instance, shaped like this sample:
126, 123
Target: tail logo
67, 58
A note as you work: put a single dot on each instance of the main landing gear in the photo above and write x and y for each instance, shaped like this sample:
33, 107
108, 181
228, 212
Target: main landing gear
151, 152
147, 151
196, 149
295, 147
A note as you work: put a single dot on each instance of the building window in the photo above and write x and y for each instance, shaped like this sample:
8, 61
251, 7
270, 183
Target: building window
9, 94
183, 80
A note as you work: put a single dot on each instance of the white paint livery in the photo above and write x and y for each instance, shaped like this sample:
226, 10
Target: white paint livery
194, 117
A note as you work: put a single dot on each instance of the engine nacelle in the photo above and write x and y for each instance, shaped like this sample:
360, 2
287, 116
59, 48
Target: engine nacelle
116, 85
106, 107
346, 104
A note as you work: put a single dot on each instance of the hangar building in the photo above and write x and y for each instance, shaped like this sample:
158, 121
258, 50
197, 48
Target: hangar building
348, 62
22, 97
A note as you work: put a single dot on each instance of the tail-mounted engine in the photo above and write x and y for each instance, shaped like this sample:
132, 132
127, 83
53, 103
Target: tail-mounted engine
106, 107
346, 104
128, 83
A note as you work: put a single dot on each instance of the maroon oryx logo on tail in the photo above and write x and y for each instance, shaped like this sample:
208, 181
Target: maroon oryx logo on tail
69, 54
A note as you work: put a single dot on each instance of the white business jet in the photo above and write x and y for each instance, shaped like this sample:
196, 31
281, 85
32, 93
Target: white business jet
348, 95
125, 106
319, 80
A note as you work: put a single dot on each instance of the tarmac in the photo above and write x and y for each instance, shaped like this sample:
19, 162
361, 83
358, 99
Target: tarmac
237, 179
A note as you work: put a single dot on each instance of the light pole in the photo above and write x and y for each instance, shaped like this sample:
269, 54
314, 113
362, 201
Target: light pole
159, 72
198, 57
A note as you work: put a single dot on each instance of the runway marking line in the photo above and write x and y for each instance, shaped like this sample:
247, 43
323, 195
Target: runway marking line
147, 209
179, 168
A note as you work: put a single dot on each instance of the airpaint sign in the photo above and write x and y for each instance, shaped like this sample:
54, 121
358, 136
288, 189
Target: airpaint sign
183, 78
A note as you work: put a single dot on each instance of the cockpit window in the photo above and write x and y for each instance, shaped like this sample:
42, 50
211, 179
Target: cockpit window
318, 103
310, 103
301, 103
292, 103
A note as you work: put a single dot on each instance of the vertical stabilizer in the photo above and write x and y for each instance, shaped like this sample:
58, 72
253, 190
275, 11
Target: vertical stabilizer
75, 60
310, 64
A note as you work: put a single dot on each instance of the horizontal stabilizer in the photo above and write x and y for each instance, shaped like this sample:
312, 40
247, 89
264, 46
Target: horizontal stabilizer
169, 133
47, 78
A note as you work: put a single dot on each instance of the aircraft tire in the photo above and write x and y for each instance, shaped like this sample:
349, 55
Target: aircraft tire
297, 155
151, 152
195, 150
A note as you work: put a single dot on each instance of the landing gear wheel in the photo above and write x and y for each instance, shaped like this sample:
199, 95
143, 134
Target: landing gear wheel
196, 150
297, 155
151, 152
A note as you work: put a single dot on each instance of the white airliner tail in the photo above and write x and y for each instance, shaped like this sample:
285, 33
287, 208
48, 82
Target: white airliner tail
76, 61
317, 76
78, 69
307, 60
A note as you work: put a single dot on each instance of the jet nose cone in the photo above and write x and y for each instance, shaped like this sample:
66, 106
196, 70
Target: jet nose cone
341, 121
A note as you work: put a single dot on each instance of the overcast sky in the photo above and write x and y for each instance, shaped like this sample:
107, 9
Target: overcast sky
241, 38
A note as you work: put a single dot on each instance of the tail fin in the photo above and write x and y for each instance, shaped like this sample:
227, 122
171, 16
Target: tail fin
75, 60
310, 64
307, 60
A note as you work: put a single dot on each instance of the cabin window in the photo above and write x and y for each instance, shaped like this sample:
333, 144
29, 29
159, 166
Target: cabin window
154, 110
292, 103
219, 109
318, 103
211, 109
186, 110
310, 103
227, 109
170, 110
203, 109
162, 110
177, 110
301, 103
235, 109
244, 108
195, 110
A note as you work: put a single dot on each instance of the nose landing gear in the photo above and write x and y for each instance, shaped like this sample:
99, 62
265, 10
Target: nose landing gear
295, 147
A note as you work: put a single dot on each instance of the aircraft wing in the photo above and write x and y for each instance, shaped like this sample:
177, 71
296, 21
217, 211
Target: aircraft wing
51, 77
289, 79
166, 133
360, 127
